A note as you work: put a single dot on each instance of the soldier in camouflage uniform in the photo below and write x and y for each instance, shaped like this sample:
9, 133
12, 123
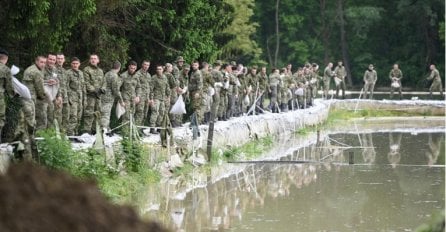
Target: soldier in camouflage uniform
395, 76
144, 78
370, 78
95, 87
328, 75
5, 86
173, 85
208, 88
112, 93
340, 73
33, 79
62, 111
130, 90
217, 76
45, 107
196, 91
300, 91
252, 86
159, 93
262, 82
273, 88
308, 73
223, 106
176, 70
436, 81
75, 92
183, 82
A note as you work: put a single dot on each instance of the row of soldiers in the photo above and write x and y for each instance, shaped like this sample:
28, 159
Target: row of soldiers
75, 98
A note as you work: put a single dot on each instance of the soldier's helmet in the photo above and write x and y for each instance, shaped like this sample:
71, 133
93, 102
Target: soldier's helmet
179, 59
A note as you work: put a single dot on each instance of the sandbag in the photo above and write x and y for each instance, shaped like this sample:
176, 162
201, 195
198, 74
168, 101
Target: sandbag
179, 107
21, 89
246, 100
120, 110
299, 91
395, 84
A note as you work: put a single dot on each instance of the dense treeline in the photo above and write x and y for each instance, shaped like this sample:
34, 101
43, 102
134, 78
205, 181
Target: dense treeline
408, 32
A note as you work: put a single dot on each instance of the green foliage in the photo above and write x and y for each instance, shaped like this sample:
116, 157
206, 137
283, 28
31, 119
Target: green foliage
242, 48
249, 150
436, 223
54, 153
133, 151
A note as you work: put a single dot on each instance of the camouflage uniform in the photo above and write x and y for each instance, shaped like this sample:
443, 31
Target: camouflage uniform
274, 81
370, 78
262, 81
143, 107
62, 114
75, 91
33, 79
94, 86
328, 74
5, 88
223, 106
340, 73
308, 88
112, 93
436, 83
208, 84
183, 82
159, 91
301, 83
217, 78
173, 84
196, 93
130, 88
45, 107
395, 75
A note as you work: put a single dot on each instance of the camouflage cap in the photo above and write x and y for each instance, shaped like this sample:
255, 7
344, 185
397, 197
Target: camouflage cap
186, 66
217, 63
233, 63
179, 59
254, 67
3, 52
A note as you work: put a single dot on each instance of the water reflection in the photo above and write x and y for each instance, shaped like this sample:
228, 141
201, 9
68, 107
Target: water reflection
394, 155
376, 194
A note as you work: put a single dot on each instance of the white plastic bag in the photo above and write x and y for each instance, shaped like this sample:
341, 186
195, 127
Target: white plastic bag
120, 110
299, 92
21, 89
395, 84
246, 100
179, 107
211, 91
337, 81
14, 70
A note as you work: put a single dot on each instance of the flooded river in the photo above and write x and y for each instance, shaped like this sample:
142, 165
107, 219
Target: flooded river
395, 181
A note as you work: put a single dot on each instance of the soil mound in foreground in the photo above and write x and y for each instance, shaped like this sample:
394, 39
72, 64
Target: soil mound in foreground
33, 198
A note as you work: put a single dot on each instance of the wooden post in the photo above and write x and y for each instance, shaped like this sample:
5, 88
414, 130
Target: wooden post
210, 136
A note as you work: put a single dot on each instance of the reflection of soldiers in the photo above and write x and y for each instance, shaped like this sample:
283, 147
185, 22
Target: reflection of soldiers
434, 149
368, 152
394, 155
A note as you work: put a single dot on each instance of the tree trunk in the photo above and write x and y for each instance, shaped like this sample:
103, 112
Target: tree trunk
325, 32
344, 46
276, 54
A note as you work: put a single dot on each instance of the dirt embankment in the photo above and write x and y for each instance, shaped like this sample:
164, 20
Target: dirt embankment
36, 199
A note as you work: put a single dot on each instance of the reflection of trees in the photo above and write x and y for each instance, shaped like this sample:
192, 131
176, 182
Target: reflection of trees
434, 149
394, 155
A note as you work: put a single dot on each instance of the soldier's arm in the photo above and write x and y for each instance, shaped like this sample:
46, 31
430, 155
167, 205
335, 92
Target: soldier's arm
89, 87
38, 84
8, 85
115, 89
365, 76
138, 88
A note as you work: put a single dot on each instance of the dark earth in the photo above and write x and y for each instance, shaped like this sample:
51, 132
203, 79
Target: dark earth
33, 198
